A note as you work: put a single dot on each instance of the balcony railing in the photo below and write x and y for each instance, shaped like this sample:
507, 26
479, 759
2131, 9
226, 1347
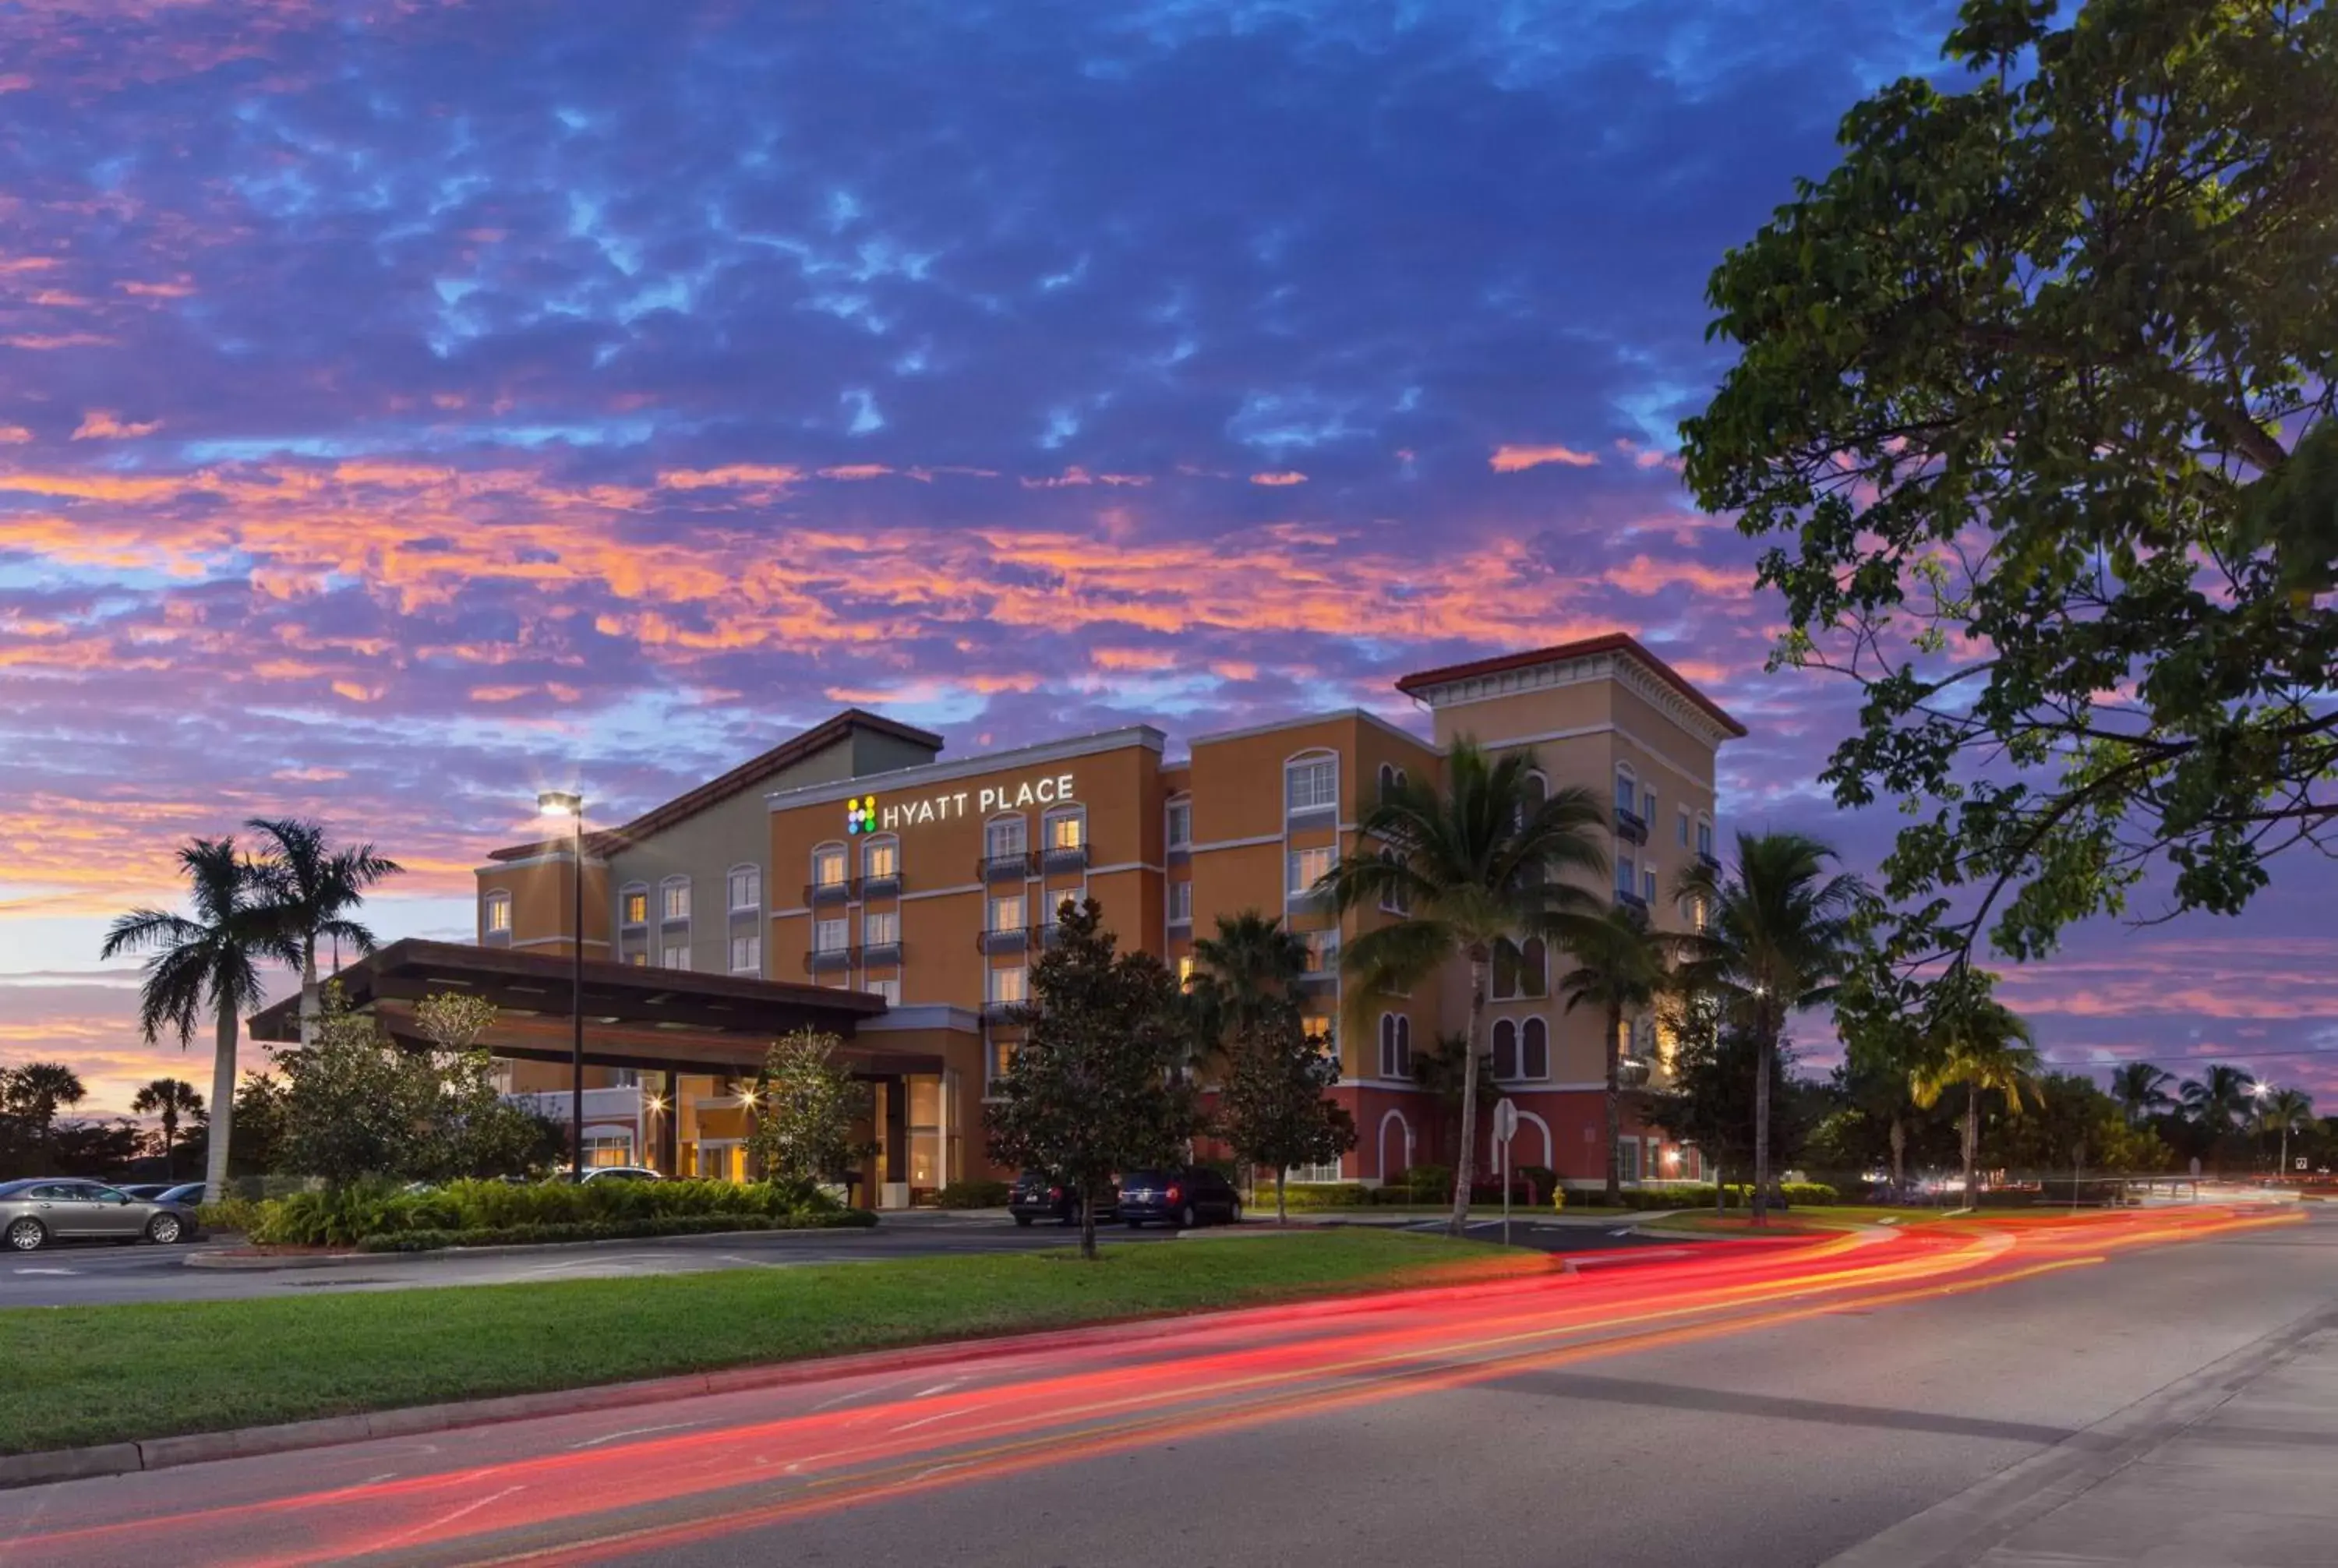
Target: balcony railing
1064, 857
836, 892
887, 886
1003, 867
1327, 976
1628, 900
1001, 1012
1045, 934
1013, 939
1630, 825
880, 955
821, 960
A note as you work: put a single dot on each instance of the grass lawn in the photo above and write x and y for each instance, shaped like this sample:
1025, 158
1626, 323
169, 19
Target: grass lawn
82, 1375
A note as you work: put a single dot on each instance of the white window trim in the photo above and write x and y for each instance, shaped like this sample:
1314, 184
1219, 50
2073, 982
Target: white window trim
490, 907
893, 915
730, 888
1022, 834
868, 847
1524, 1025
1626, 774
1310, 759
1054, 814
844, 857
838, 922
666, 884
624, 895
757, 966
1175, 804
1293, 858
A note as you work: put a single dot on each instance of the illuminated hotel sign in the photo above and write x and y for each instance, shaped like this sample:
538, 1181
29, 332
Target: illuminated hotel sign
868, 814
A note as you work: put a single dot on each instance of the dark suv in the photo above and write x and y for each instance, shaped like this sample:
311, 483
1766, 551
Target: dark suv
1185, 1195
1036, 1195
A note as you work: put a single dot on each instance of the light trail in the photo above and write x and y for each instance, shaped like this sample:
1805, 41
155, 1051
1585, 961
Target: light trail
823, 1451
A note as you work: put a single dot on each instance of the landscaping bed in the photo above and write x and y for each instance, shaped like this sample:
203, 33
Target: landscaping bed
88, 1375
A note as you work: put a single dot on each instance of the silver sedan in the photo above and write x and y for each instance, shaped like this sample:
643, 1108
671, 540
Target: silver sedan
48, 1208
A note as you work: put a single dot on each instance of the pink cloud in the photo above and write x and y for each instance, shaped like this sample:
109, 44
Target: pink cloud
1507, 460
104, 425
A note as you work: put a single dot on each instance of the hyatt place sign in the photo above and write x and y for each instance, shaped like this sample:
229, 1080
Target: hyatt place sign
869, 814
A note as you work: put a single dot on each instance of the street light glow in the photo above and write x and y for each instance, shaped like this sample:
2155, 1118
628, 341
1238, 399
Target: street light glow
560, 803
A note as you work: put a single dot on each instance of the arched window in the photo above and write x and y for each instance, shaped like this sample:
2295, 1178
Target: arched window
634, 905
745, 885
1403, 1047
1506, 1049
830, 867
1396, 1046
1533, 1050
1064, 835
1534, 968
673, 901
1180, 827
1311, 784
1387, 1045
880, 859
1395, 900
1535, 791
1627, 789
1388, 779
496, 916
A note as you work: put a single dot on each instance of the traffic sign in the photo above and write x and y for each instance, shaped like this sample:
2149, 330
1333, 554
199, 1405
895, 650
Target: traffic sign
1505, 1119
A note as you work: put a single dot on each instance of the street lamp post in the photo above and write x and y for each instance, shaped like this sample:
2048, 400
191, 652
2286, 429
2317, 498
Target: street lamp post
564, 803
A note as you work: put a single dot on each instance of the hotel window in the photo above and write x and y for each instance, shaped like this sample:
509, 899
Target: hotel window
1323, 950
1181, 824
1506, 1049
746, 887
1181, 903
1648, 807
1307, 867
1627, 791
888, 989
638, 960
1312, 785
1396, 1046
1682, 822
1009, 986
1315, 1027
827, 866
1520, 970
881, 929
1627, 1160
499, 915
1185, 972
830, 936
1388, 779
673, 899
1003, 836
1648, 884
1704, 838
1628, 877
1397, 899
746, 955
1534, 1049
1067, 830
1007, 913
633, 906
880, 859
677, 955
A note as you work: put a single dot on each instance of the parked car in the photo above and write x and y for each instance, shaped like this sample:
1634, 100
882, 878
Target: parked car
1036, 1195
186, 1194
616, 1174
47, 1209
145, 1191
1183, 1196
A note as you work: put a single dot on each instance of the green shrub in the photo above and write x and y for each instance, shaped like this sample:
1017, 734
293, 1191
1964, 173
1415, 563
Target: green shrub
1315, 1195
230, 1215
431, 1241
336, 1217
1815, 1193
1428, 1183
973, 1195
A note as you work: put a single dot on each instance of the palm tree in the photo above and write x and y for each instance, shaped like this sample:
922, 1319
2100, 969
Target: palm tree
1248, 969
1985, 1046
1777, 937
1620, 967
37, 1092
2283, 1110
1477, 863
2216, 1101
207, 963
172, 1099
313, 889
2141, 1089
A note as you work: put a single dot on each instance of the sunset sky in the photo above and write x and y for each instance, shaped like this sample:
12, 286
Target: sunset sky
408, 403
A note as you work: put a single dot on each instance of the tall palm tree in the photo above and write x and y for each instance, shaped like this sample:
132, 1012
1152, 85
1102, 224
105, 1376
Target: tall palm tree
2141, 1089
37, 1092
1777, 935
2283, 1111
1251, 968
1620, 966
1985, 1046
314, 888
209, 963
2216, 1101
173, 1098
1477, 862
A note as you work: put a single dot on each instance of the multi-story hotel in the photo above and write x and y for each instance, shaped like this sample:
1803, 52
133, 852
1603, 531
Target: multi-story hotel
857, 878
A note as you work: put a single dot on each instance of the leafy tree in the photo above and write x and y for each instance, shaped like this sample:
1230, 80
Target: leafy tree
453, 1020
2141, 1089
207, 963
1275, 1111
1778, 935
1982, 1045
1620, 966
2284, 1112
260, 1124
173, 1099
96, 1149
2038, 386
1439, 1066
37, 1092
1713, 1103
312, 889
1885, 1047
1479, 862
1096, 1086
2214, 1103
810, 1103
2072, 1123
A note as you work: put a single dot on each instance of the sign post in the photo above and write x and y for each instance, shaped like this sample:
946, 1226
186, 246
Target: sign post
1506, 1127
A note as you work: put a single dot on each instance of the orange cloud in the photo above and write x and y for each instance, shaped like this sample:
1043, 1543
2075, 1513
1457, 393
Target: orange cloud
44, 340
1507, 460
179, 288
102, 424
14, 435
732, 475
856, 471
1287, 478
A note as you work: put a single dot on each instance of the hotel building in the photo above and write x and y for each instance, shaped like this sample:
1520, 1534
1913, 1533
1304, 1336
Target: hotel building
856, 878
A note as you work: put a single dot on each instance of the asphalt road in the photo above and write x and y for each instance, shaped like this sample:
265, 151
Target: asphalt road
1759, 1408
91, 1275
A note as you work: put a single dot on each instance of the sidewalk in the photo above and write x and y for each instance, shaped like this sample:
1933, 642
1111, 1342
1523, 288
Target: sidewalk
2232, 1469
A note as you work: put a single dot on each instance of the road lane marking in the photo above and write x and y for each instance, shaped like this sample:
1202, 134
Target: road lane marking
634, 1432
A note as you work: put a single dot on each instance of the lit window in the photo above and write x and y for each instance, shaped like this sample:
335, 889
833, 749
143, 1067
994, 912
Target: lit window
1315, 1027
1009, 986
499, 915
677, 955
1534, 1049
828, 866
1307, 867
888, 989
1003, 836
1312, 785
881, 929
1006, 913
673, 899
830, 936
1506, 1049
1068, 831
881, 857
1185, 972
1322, 951
746, 887
746, 955
638, 960
1181, 824
635, 906
1181, 903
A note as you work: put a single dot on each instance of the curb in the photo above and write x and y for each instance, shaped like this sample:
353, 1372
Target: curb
231, 1264
111, 1459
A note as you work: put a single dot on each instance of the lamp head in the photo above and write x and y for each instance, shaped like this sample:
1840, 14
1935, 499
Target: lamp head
560, 803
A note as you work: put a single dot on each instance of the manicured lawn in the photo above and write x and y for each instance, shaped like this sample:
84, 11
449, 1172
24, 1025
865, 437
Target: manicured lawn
82, 1375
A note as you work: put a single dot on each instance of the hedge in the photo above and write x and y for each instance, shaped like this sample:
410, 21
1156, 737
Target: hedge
612, 1231
973, 1195
1699, 1195
340, 1216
